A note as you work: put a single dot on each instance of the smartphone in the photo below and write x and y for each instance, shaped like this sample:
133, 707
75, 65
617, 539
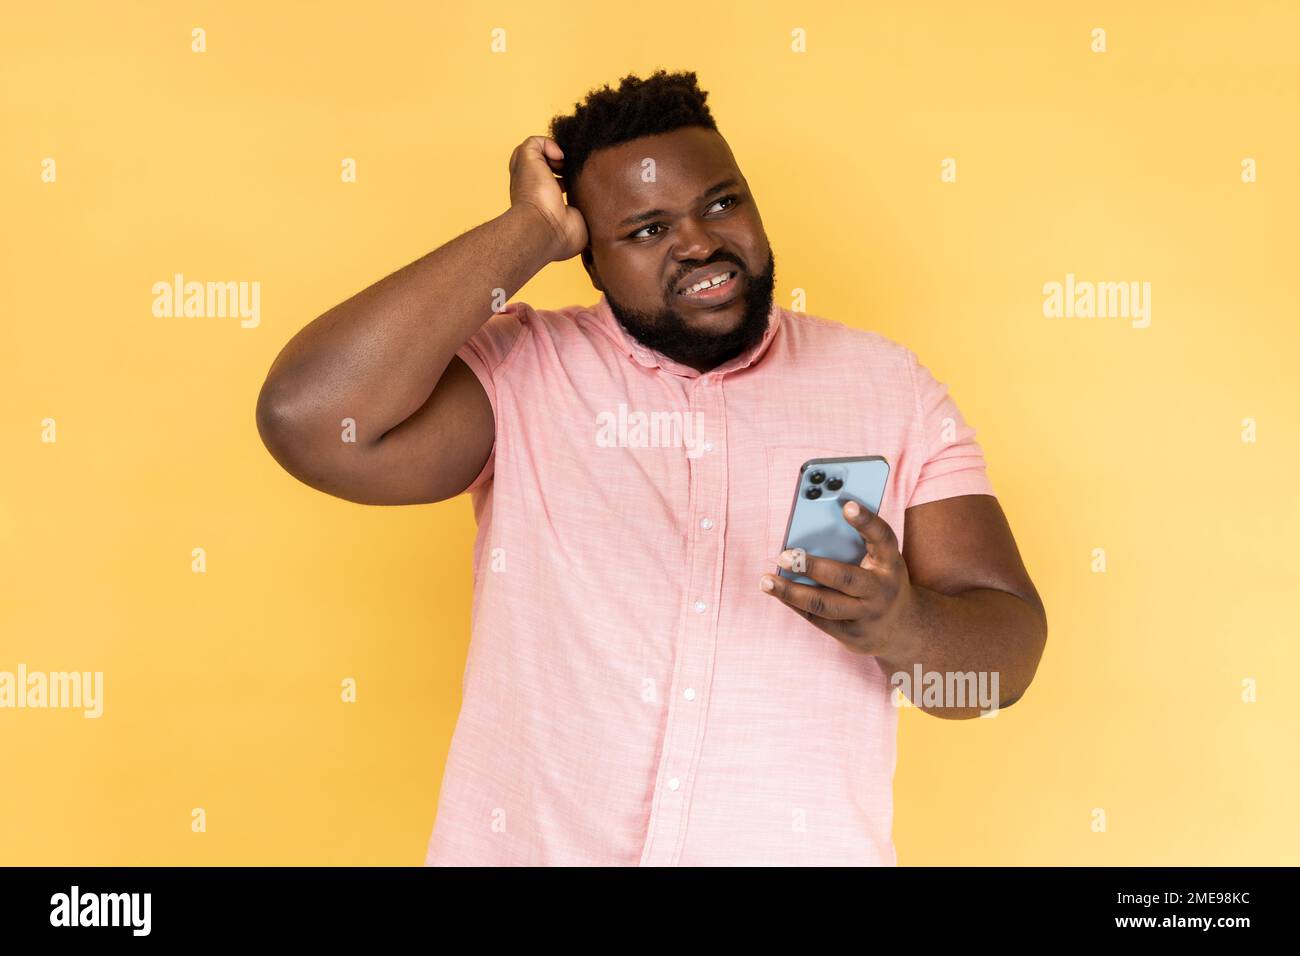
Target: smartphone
817, 522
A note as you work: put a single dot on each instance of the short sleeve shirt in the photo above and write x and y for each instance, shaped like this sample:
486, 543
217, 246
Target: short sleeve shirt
630, 696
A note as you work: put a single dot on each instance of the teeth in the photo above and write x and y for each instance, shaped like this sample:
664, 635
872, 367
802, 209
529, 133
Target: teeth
707, 283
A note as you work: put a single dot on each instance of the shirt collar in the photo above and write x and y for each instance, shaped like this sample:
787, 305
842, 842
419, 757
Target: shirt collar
652, 358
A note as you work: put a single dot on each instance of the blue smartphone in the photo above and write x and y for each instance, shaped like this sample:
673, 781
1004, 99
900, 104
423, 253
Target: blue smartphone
817, 521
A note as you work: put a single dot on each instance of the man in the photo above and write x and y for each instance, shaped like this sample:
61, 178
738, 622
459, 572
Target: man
642, 687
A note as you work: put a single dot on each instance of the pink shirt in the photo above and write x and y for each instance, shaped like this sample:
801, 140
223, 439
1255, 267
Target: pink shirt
630, 695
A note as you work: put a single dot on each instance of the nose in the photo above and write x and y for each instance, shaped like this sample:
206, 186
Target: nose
695, 243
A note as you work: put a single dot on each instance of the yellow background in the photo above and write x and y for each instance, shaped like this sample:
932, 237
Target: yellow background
222, 690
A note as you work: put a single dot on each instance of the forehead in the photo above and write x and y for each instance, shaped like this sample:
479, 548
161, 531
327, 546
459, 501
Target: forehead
617, 182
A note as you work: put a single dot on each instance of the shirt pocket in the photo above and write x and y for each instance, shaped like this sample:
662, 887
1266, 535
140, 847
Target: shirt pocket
783, 464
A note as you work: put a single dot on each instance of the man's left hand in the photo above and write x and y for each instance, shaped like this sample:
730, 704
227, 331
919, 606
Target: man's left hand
864, 606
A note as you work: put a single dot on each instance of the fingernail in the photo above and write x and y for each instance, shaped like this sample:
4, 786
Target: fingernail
766, 584
851, 509
793, 559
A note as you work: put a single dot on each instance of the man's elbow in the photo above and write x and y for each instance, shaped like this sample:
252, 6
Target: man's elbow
1033, 651
269, 415
278, 425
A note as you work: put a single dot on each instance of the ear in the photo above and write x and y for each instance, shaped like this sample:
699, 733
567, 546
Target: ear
590, 266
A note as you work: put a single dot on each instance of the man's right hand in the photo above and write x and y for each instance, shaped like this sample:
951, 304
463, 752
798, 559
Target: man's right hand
534, 166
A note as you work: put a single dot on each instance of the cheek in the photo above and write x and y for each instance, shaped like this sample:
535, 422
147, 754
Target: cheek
631, 281
752, 244
646, 283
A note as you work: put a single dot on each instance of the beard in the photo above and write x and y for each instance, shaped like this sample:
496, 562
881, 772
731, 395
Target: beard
669, 334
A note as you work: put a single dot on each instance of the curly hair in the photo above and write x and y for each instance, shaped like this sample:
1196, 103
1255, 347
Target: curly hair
660, 104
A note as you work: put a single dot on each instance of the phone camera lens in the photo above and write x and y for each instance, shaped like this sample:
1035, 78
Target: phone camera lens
835, 484
817, 477
814, 492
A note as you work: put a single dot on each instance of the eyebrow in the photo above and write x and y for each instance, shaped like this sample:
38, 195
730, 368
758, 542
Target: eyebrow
656, 213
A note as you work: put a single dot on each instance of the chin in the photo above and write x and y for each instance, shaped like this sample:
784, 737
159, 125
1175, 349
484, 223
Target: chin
718, 320
723, 324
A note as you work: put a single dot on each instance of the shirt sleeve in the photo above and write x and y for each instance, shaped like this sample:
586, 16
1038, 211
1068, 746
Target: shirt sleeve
952, 460
485, 352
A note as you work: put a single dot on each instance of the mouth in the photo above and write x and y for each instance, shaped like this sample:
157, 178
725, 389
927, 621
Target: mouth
714, 289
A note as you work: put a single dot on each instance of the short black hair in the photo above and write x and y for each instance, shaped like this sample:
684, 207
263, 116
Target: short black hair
660, 104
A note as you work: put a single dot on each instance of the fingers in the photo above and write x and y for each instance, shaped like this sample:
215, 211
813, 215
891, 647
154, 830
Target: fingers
852, 598
848, 591
543, 146
818, 602
848, 579
555, 160
882, 544
550, 151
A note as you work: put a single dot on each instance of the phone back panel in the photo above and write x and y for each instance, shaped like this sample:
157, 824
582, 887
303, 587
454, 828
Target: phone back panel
817, 522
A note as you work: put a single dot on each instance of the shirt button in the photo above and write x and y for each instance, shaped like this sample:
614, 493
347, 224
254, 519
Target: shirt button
674, 783
707, 524
708, 446
700, 607
689, 693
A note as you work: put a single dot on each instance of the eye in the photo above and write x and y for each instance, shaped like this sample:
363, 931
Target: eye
658, 225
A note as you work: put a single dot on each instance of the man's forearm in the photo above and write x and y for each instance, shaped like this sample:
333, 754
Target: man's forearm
980, 630
378, 355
